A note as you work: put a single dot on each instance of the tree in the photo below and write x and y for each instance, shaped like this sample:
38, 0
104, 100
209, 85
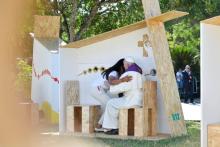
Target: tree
84, 18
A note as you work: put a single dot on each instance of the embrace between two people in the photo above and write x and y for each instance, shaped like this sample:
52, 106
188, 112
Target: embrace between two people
121, 87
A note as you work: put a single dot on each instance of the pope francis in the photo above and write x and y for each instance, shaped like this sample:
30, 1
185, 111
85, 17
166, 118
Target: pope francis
132, 91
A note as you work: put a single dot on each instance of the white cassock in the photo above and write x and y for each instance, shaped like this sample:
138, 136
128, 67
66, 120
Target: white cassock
132, 98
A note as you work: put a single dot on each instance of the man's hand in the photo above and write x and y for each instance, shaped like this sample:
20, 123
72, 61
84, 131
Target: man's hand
126, 79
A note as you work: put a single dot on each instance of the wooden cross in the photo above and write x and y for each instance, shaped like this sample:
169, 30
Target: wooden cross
143, 44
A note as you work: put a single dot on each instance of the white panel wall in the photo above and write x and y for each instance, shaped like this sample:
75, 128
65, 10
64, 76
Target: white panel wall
210, 77
44, 88
105, 53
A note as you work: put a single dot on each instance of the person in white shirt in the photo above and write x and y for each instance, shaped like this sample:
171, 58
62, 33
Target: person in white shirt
132, 96
100, 90
179, 80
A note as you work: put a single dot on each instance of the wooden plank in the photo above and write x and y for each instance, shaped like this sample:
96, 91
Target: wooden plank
25, 112
151, 8
150, 94
46, 26
123, 30
150, 108
34, 114
139, 122
90, 117
85, 119
213, 135
106, 35
152, 122
70, 119
30, 113
96, 114
165, 73
168, 16
212, 21
123, 122
72, 93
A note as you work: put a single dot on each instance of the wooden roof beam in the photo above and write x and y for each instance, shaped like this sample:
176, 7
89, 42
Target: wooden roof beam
213, 21
167, 16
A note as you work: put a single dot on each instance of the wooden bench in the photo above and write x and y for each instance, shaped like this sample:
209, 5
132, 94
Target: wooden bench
141, 122
214, 135
82, 118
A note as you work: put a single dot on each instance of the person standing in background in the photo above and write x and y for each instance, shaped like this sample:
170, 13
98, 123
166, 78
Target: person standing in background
190, 86
186, 85
179, 80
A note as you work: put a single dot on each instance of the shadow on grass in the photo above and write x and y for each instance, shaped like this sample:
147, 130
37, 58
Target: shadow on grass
192, 139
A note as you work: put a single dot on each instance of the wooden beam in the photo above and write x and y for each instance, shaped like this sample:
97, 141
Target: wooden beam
30, 113
123, 122
166, 76
212, 21
150, 94
214, 135
139, 122
165, 71
150, 108
47, 27
106, 35
151, 8
70, 119
168, 16
72, 92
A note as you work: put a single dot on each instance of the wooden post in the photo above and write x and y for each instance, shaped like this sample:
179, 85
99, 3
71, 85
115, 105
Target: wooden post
126, 121
72, 93
165, 71
30, 113
139, 122
214, 135
70, 119
123, 122
150, 108
90, 115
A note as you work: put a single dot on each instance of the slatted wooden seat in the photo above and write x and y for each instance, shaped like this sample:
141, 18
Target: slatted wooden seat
141, 122
82, 118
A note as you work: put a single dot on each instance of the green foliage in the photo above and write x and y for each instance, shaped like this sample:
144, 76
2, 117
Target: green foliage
23, 80
183, 34
184, 45
116, 16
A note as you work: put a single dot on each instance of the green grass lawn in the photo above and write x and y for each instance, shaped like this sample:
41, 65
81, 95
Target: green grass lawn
190, 140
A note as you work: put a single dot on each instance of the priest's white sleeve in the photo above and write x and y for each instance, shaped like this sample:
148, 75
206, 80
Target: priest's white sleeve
135, 83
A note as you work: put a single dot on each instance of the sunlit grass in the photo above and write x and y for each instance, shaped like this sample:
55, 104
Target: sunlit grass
192, 139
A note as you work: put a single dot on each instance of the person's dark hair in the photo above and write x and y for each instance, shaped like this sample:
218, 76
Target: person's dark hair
118, 67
